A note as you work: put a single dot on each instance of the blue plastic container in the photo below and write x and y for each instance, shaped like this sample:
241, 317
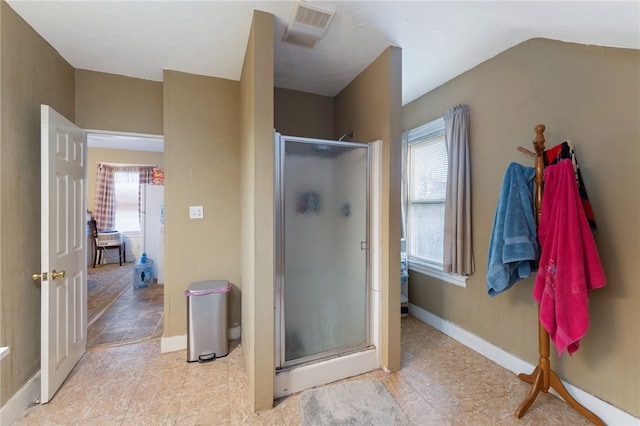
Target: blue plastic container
143, 272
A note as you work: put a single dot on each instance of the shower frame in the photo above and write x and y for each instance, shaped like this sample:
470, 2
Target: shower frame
281, 365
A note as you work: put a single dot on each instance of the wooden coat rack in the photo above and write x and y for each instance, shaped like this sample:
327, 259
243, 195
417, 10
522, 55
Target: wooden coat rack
542, 376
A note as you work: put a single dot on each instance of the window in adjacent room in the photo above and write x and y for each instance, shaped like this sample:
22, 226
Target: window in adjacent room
126, 184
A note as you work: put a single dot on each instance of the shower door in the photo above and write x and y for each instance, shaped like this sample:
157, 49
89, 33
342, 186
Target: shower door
322, 284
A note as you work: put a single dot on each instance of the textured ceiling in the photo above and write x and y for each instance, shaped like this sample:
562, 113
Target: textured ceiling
439, 40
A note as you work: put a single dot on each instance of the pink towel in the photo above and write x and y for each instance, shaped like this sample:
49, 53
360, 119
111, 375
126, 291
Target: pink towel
569, 262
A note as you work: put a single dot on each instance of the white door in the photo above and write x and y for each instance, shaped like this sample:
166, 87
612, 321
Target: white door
63, 249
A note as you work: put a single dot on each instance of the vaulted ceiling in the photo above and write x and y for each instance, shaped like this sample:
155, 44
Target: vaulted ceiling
439, 39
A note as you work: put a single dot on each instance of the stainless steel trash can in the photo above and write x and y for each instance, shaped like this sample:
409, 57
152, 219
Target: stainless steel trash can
207, 320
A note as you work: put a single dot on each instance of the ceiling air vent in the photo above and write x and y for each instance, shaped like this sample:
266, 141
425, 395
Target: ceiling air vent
308, 24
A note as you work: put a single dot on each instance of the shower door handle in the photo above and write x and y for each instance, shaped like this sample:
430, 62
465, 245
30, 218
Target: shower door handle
364, 245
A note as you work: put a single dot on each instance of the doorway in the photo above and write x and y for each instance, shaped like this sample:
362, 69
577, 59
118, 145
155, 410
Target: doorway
117, 313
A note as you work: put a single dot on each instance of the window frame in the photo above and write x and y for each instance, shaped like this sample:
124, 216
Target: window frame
434, 128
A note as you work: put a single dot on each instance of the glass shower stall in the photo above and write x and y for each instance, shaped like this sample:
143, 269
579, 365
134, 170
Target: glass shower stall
322, 252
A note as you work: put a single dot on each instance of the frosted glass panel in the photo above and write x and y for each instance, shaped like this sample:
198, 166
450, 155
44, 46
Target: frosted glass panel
325, 221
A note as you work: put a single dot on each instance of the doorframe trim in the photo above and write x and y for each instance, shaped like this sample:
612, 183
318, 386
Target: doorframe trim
375, 255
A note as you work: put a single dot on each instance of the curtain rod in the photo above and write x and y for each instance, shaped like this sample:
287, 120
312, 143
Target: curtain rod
124, 164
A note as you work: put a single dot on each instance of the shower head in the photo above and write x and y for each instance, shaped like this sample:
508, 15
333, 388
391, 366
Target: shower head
346, 135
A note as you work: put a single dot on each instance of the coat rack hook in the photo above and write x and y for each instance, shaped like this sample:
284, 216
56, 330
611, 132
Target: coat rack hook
526, 151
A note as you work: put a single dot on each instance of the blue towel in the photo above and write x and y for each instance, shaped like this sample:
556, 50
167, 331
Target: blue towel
513, 250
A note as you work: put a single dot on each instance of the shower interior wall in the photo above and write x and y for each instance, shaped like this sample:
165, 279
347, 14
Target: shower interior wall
304, 114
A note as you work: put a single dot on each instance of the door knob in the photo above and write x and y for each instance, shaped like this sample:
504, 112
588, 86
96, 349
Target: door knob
42, 276
55, 274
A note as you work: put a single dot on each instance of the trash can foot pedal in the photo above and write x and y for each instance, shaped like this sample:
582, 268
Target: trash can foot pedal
207, 357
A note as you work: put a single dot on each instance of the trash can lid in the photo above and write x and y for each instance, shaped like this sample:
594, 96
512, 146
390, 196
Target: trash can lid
206, 287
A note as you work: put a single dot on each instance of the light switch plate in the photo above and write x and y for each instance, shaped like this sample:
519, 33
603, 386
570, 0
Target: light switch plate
196, 212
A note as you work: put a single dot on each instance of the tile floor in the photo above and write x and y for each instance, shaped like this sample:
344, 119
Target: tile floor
441, 382
135, 316
105, 284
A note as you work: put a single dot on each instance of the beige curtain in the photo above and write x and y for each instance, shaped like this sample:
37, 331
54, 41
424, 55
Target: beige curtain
458, 253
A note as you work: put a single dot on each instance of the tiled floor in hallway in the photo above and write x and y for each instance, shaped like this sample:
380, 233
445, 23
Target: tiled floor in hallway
137, 315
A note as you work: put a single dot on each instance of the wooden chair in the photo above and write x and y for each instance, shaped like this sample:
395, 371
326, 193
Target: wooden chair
100, 248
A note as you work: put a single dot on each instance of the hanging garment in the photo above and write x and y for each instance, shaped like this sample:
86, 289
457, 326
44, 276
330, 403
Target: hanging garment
569, 263
565, 151
513, 249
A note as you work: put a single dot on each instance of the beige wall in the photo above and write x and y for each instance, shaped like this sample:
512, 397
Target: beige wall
125, 156
371, 106
591, 96
583, 93
303, 114
31, 73
257, 168
117, 103
200, 156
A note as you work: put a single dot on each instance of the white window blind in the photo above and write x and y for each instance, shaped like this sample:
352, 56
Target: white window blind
427, 181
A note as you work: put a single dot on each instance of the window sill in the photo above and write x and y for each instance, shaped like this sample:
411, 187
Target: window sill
455, 279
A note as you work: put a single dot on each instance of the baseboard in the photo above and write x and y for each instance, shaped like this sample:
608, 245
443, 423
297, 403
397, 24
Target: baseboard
179, 343
23, 399
607, 412
173, 343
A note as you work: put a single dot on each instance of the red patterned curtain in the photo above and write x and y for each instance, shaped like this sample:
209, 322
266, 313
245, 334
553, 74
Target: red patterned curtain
104, 210
105, 199
146, 174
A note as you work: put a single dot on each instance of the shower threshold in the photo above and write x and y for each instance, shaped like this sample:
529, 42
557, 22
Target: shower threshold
300, 377
321, 357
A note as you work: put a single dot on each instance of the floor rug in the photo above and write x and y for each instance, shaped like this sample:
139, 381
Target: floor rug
359, 402
105, 284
